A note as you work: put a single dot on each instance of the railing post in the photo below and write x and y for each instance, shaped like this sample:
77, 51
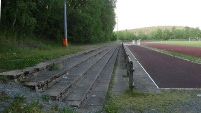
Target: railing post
131, 82
129, 68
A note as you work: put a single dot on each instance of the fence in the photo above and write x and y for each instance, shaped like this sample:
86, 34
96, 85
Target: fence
129, 66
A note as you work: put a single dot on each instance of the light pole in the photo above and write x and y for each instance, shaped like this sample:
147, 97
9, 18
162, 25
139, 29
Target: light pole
65, 40
0, 9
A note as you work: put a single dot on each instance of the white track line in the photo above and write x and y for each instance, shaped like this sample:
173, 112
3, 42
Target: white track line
181, 88
168, 88
145, 70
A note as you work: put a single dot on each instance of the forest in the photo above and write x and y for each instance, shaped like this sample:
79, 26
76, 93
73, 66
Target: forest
161, 34
88, 21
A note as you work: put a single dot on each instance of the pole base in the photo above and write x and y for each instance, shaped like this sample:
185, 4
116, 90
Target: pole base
65, 42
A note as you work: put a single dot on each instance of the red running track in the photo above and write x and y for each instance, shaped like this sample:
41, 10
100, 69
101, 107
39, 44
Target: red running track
192, 51
168, 71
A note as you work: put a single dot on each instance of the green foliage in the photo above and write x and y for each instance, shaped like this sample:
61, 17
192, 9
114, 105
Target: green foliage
89, 21
111, 107
67, 110
53, 67
18, 106
29, 52
3, 96
46, 97
160, 34
126, 35
4, 79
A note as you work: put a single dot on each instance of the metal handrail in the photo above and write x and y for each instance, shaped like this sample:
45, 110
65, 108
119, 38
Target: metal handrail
129, 67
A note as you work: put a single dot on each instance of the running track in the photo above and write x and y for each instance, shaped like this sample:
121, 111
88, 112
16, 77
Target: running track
192, 51
168, 71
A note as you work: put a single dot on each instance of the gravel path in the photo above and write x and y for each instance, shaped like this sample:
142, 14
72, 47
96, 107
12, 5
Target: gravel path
12, 90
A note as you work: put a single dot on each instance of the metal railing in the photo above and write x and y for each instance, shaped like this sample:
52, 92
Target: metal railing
129, 66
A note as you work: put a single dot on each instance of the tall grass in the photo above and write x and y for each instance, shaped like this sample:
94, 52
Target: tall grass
18, 52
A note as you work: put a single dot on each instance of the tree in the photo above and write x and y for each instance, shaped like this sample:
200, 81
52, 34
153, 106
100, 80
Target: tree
89, 21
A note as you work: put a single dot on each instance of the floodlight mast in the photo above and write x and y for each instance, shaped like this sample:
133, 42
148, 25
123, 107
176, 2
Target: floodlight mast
0, 9
65, 40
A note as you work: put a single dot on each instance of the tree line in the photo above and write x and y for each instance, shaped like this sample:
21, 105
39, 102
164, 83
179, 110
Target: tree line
161, 34
88, 21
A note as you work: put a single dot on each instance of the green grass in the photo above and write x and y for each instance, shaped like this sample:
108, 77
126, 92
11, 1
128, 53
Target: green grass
183, 56
180, 55
25, 53
111, 107
140, 101
182, 43
21, 52
19, 105
4, 79
3, 96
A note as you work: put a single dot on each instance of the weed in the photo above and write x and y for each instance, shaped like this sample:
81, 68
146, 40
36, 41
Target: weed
4, 79
34, 107
19, 106
124, 76
133, 93
110, 106
67, 110
53, 67
55, 107
4, 96
46, 97
15, 105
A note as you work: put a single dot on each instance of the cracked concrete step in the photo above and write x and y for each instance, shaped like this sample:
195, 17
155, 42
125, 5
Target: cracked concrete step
45, 79
78, 93
57, 92
19, 75
96, 98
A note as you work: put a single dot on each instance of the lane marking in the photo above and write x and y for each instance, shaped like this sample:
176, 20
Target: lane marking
181, 88
156, 84
145, 70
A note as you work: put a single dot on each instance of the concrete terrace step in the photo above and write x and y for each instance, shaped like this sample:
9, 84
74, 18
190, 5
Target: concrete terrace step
44, 79
81, 80
58, 91
96, 98
19, 75
78, 93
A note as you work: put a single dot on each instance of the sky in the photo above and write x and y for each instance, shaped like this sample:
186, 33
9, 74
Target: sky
131, 14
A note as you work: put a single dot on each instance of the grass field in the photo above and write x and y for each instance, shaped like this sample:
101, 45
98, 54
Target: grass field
182, 43
168, 101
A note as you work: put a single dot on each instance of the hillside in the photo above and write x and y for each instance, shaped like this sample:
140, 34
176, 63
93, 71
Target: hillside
147, 30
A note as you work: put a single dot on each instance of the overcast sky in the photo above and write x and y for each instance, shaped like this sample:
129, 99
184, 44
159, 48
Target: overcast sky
146, 13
